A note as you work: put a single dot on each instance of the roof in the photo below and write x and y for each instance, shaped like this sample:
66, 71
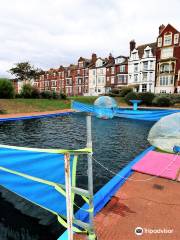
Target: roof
142, 47
168, 26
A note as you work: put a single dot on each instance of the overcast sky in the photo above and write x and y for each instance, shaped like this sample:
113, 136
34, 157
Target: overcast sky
49, 33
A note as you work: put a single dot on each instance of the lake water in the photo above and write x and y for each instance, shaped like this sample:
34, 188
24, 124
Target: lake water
115, 143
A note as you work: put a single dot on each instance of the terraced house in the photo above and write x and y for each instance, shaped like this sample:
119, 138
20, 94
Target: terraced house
97, 77
153, 67
168, 60
141, 67
116, 72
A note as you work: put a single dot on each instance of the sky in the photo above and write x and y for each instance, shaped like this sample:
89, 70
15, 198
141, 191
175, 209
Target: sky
50, 33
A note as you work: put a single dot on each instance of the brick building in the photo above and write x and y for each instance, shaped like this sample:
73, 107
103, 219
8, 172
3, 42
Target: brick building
116, 72
153, 67
168, 60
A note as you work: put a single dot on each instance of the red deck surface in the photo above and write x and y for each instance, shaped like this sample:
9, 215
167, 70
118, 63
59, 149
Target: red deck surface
153, 204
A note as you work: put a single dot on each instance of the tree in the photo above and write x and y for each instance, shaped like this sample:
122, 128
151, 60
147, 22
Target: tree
6, 88
24, 71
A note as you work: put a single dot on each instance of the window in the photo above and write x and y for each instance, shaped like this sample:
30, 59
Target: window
78, 71
145, 66
122, 79
165, 68
160, 42
80, 64
150, 76
112, 70
134, 56
144, 87
136, 67
167, 52
54, 74
150, 87
112, 80
99, 90
107, 79
101, 71
54, 83
94, 72
176, 38
136, 77
144, 76
99, 80
162, 91
147, 53
122, 68
166, 80
151, 65
79, 81
167, 39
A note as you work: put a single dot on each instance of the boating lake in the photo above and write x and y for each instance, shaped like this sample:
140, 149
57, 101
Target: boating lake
115, 143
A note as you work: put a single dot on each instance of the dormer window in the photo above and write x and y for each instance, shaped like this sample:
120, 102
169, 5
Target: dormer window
168, 39
80, 64
119, 60
147, 53
99, 63
160, 42
176, 38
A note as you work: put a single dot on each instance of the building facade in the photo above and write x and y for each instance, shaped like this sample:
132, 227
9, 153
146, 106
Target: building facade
153, 67
141, 67
116, 72
168, 60
97, 77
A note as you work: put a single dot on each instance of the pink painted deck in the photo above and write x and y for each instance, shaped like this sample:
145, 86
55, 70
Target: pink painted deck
159, 164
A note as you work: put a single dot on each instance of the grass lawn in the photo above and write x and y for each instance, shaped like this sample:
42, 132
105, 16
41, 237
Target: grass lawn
21, 105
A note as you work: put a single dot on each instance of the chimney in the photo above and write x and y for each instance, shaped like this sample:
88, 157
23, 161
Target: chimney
110, 57
94, 58
132, 45
161, 28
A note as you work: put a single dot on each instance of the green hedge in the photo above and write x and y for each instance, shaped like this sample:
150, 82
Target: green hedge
146, 98
124, 91
130, 96
162, 101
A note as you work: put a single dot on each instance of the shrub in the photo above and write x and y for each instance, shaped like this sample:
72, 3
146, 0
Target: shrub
130, 96
125, 91
115, 91
162, 101
46, 95
146, 98
26, 90
55, 95
63, 96
18, 95
6, 89
35, 92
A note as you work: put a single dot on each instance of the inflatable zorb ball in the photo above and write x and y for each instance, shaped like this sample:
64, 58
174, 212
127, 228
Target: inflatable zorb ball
104, 107
165, 134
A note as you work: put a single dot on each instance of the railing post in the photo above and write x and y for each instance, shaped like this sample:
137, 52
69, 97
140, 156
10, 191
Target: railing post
69, 209
90, 179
